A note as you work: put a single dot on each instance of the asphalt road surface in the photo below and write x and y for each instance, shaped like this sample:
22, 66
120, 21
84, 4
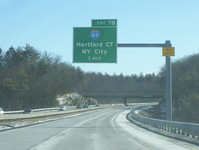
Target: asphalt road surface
105, 129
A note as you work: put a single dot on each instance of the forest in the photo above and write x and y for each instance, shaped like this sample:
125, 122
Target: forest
33, 79
30, 79
122, 86
186, 88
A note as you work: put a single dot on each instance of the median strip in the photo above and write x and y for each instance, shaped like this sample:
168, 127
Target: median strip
17, 120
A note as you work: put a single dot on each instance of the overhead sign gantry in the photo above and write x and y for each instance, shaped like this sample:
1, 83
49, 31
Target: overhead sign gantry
98, 44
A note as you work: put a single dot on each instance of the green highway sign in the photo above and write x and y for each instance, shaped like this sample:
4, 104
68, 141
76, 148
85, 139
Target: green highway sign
104, 23
95, 45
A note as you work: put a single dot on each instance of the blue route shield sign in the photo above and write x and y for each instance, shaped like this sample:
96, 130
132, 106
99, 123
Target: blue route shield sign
95, 34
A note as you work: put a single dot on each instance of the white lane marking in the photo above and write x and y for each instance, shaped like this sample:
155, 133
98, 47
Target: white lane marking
48, 144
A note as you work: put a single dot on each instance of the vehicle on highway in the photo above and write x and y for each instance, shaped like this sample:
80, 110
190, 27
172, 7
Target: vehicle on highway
27, 111
1, 111
62, 108
79, 106
85, 106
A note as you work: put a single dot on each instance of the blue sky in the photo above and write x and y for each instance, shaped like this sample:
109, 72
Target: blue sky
48, 25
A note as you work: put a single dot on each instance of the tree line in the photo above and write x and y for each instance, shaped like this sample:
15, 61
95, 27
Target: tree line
105, 84
185, 77
133, 88
186, 88
31, 79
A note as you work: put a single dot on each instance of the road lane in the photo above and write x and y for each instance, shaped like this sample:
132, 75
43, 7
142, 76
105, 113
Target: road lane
149, 139
96, 133
110, 131
29, 137
105, 129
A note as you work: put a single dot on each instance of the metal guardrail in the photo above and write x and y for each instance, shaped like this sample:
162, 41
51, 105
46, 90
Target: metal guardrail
33, 110
47, 112
181, 128
43, 109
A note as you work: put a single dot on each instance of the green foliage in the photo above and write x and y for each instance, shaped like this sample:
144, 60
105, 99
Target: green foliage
29, 79
188, 108
99, 84
8, 86
185, 88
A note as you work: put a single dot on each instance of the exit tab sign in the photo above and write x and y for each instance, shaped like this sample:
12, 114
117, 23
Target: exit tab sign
104, 23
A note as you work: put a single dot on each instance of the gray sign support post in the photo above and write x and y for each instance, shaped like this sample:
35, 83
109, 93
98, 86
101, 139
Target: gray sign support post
168, 86
168, 74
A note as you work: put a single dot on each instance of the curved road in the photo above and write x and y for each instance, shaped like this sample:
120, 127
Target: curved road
105, 129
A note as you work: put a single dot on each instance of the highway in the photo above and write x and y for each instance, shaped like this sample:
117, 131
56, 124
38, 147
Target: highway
106, 129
